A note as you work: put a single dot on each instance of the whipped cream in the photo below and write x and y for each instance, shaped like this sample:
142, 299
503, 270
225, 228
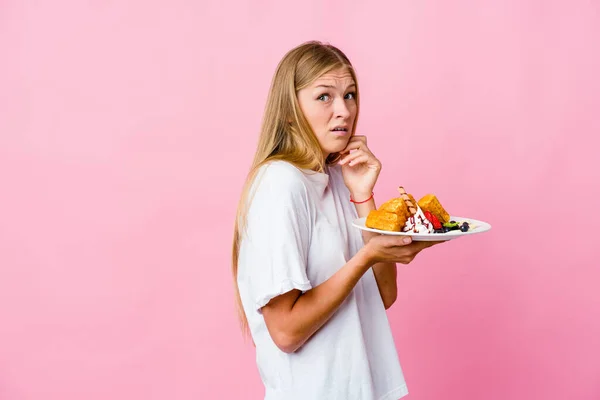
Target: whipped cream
418, 223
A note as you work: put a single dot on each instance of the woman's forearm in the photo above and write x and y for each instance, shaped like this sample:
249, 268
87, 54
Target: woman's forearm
385, 273
293, 324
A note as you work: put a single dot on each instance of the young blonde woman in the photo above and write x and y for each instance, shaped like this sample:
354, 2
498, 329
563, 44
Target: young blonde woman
312, 289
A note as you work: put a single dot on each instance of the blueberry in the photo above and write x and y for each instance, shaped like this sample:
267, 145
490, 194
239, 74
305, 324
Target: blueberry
464, 227
446, 229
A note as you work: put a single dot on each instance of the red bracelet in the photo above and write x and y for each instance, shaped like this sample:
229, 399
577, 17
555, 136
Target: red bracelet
364, 201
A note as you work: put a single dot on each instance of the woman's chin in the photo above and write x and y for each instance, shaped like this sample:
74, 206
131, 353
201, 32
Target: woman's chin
338, 147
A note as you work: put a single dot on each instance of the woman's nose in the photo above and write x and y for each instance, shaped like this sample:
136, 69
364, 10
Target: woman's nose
341, 109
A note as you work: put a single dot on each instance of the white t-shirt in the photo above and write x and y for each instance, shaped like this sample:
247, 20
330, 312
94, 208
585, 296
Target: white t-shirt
298, 234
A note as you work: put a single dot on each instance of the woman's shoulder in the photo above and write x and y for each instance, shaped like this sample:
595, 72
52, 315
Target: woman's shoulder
281, 171
280, 177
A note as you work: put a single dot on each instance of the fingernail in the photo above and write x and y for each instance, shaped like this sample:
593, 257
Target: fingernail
407, 240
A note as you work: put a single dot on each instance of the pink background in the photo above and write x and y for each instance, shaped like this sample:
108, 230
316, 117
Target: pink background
126, 131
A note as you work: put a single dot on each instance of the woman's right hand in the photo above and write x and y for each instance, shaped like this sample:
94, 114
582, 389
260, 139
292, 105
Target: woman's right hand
394, 249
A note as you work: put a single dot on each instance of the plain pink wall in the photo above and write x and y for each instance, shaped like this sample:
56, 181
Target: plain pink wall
126, 131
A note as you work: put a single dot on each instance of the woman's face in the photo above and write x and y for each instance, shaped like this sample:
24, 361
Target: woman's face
329, 105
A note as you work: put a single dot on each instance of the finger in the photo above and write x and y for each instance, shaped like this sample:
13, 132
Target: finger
356, 142
431, 243
424, 245
361, 138
406, 253
359, 160
351, 156
352, 145
397, 241
361, 149
420, 246
414, 248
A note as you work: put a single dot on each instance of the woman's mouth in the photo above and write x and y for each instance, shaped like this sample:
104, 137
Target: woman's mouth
340, 131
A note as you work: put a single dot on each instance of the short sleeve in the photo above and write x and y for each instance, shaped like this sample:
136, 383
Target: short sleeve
274, 245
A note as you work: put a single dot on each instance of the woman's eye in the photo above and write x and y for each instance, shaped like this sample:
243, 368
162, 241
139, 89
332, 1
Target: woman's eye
323, 97
350, 96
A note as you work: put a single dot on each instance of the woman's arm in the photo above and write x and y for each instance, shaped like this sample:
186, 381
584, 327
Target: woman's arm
360, 169
292, 318
385, 273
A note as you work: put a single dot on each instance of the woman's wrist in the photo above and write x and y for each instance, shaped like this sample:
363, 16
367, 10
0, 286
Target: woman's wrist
365, 257
361, 197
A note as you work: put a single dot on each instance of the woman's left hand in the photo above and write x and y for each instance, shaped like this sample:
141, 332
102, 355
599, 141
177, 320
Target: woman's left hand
360, 168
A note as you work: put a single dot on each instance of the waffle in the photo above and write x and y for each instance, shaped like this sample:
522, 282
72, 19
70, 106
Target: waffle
394, 213
397, 206
385, 221
430, 203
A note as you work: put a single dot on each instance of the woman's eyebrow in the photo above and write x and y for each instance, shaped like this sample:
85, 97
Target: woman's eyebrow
333, 87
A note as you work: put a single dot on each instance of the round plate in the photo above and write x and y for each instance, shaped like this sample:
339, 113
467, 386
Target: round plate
476, 226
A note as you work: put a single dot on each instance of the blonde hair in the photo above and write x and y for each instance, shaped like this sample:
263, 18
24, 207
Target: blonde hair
285, 133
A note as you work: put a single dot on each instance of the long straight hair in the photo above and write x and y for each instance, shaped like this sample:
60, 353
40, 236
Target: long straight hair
285, 133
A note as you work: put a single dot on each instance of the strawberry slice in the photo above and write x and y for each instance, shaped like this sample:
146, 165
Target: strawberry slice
429, 216
436, 222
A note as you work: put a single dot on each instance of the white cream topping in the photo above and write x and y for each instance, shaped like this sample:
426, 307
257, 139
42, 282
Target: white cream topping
418, 223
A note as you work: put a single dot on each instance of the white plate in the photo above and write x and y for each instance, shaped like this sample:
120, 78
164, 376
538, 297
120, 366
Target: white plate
475, 227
